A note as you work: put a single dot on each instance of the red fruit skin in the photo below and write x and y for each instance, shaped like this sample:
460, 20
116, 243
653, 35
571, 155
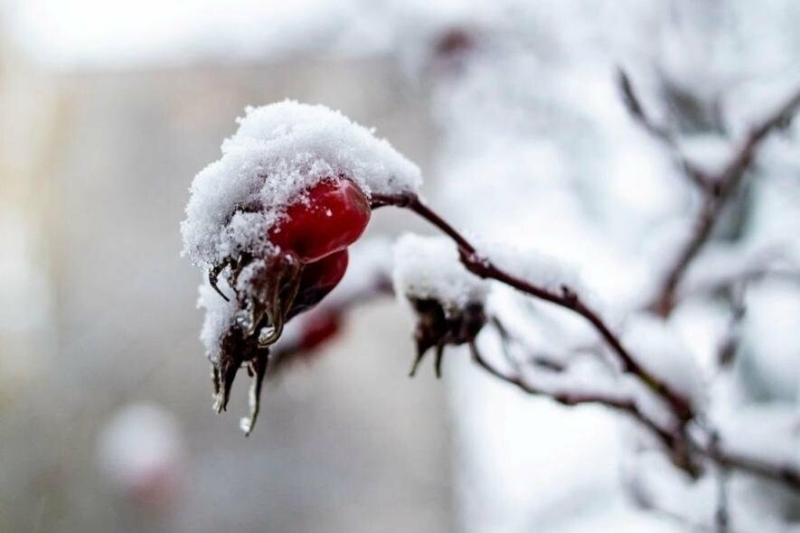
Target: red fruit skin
317, 280
333, 215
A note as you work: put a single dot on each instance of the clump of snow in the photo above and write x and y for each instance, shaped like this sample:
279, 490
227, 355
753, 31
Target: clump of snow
533, 266
770, 341
429, 268
659, 348
709, 153
219, 319
278, 152
769, 432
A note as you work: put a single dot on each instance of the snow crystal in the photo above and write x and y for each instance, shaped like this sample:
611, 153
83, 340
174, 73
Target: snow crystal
429, 268
279, 151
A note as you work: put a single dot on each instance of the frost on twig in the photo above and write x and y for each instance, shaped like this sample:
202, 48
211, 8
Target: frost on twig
660, 350
537, 268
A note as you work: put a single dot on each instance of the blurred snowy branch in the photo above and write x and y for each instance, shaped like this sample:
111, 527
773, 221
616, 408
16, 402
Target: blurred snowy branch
717, 189
688, 441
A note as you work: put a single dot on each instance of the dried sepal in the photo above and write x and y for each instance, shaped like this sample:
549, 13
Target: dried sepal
264, 291
439, 326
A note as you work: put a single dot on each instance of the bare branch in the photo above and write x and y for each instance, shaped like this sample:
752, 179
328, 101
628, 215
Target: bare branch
661, 133
539, 360
722, 514
787, 474
572, 398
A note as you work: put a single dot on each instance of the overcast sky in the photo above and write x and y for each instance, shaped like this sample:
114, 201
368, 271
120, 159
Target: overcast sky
67, 33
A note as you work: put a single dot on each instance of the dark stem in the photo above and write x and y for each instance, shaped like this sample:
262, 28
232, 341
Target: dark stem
575, 398
786, 474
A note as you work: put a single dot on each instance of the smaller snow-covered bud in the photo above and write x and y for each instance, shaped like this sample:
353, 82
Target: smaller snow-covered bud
447, 299
437, 328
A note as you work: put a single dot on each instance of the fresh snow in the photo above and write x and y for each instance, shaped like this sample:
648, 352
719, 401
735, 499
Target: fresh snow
429, 268
278, 152
660, 349
535, 267
219, 318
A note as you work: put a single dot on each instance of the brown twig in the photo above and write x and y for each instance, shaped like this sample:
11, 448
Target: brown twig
572, 398
679, 444
539, 360
787, 474
567, 298
659, 132
720, 190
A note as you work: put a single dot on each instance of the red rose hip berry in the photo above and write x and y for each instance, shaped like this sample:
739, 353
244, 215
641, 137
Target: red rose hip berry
317, 280
331, 216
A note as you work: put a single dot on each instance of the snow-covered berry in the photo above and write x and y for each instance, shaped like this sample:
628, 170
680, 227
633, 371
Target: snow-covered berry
271, 222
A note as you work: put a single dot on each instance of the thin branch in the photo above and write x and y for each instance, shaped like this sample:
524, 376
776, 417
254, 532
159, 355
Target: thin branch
787, 474
539, 360
745, 277
567, 298
717, 196
726, 353
661, 133
572, 398
722, 514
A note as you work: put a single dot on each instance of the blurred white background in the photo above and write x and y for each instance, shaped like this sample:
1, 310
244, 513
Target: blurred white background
511, 108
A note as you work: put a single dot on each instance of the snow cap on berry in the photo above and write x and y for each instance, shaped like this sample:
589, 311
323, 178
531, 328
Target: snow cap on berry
428, 268
278, 152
